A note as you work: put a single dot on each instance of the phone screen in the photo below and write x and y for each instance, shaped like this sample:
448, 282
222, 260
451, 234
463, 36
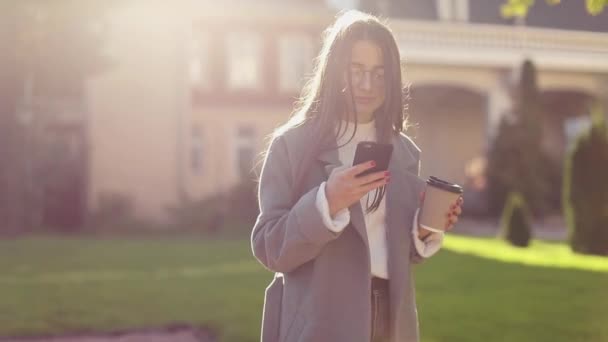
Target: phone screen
369, 150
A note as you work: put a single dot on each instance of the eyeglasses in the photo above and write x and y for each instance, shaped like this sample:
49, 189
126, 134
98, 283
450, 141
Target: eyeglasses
358, 75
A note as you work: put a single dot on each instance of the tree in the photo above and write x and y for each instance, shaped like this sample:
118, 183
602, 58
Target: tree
520, 8
9, 138
50, 47
225, 212
585, 190
516, 161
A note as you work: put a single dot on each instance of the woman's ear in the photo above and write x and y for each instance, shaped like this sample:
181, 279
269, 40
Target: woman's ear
344, 84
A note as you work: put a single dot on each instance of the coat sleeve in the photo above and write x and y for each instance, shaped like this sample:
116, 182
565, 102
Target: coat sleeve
286, 235
433, 243
415, 257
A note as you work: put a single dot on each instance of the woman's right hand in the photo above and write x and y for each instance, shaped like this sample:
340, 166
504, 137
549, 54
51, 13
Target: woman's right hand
343, 188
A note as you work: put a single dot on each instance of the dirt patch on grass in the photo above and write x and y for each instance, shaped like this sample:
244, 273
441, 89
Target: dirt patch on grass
177, 333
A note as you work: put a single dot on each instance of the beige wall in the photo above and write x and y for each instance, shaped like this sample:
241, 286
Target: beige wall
450, 129
141, 117
134, 110
588, 83
219, 126
475, 78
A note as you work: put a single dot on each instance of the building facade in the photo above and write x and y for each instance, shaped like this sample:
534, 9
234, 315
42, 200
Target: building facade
196, 89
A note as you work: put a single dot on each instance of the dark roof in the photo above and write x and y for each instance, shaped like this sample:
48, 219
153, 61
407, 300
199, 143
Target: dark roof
569, 15
413, 9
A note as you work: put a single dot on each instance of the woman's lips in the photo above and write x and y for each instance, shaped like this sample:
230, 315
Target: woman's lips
364, 99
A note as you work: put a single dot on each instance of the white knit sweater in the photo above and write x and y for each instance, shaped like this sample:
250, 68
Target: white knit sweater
374, 221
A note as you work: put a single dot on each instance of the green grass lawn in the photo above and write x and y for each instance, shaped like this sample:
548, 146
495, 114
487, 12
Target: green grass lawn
473, 290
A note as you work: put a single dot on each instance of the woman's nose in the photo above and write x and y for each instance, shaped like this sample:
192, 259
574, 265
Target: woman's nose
366, 82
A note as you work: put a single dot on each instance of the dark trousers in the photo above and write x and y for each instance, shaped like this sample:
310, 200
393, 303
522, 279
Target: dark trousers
380, 310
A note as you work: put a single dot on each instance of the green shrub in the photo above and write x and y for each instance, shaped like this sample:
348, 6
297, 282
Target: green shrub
516, 160
586, 189
233, 211
113, 209
515, 221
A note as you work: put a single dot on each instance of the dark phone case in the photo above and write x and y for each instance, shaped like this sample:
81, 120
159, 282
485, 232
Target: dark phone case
369, 150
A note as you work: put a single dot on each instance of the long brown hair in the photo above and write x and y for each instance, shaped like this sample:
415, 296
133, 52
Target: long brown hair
323, 101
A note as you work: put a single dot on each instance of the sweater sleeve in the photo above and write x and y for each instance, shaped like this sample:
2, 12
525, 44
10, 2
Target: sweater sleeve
431, 244
342, 218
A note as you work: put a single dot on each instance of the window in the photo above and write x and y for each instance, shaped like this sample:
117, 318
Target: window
461, 10
343, 4
196, 150
453, 10
244, 57
384, 7
245, 150
296, 54
199, 61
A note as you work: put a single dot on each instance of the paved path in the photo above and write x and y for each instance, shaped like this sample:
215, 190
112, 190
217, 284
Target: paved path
182, 335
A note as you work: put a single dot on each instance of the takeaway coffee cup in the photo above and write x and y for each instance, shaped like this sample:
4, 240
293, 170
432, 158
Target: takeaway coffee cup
439, 196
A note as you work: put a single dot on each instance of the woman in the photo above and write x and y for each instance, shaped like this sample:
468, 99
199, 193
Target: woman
342, 246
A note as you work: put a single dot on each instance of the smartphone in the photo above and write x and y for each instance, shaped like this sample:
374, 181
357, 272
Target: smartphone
369, 150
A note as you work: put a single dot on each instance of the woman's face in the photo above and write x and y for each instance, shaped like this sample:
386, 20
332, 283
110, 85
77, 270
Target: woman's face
367, 77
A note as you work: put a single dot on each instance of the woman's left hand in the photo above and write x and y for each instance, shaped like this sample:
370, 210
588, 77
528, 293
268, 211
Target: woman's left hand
452, 214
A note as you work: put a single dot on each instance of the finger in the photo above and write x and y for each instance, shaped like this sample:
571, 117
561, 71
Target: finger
460, 200
457, 211
373, 185
371, 178
449, 219
339, 169
357, 169
448, 226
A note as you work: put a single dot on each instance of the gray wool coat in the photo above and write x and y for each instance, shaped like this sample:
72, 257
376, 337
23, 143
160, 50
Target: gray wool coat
322, 286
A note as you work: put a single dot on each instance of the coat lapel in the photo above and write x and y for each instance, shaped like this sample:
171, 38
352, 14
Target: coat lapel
396, 200
401, 203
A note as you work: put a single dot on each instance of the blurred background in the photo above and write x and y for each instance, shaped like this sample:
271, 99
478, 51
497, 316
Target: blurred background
131, 135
